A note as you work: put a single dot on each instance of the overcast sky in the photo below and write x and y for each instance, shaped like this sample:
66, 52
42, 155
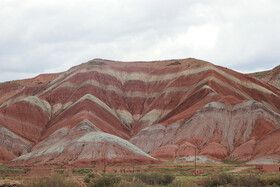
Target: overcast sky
45, 36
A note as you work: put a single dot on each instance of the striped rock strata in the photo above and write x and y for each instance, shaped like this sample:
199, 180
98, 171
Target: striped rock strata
138, 112
271, 77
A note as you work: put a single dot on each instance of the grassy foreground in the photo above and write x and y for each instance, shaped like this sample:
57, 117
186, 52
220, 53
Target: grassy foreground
156, 179
167, 174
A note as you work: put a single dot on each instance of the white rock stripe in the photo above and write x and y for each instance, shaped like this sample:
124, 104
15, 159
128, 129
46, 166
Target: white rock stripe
6, 132
95, 100
255, 103
42, 104
116, 130
22, 123
101, 136
153, 115
59, 146
12, 101
145, 77
134, 94
89, 82
123, 114
141, 76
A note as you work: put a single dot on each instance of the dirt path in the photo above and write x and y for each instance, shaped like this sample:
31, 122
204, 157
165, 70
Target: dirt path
237, 169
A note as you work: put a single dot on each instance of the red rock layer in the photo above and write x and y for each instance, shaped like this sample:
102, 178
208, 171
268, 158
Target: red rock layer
166, 108
5, 155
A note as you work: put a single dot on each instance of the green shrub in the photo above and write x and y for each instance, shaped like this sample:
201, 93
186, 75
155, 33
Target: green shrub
86, 180
99, 63
60, 171
155, 178
234, 180
104, 181
259, 74
249, 180
4, 169
53, 181
81, 171
90, 175
219, 179
174, 63
184, 183
272, 180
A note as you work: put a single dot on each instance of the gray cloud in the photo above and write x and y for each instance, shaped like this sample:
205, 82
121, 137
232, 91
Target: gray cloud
51, 36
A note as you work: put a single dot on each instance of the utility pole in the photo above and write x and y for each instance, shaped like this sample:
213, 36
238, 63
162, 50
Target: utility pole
195, 161
104, 160
197, 146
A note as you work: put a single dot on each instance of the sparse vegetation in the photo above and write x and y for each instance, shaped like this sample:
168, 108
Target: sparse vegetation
184, 183
251, 180
232, 161
259, 74
59, 170
272, 180
165, 174
174, 63
6, 170
86, 180
90, 175
220, 179
106, 180
158, 179
155, 178
81, 171
99, 63
53, 181
248, 180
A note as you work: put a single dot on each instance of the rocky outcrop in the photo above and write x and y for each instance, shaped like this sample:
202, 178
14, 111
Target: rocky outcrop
131, 113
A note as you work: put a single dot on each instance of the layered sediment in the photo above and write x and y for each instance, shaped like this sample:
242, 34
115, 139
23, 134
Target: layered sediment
138, 112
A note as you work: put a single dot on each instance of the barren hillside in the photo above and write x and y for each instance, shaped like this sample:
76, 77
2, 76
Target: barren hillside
138, 112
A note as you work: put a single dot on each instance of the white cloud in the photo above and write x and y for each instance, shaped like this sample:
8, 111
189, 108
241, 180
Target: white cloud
203, 36
39, 36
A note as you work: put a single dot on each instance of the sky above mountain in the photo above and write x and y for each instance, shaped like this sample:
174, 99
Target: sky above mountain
39, 36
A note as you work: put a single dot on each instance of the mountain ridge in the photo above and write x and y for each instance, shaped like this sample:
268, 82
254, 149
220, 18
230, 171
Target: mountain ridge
164, 108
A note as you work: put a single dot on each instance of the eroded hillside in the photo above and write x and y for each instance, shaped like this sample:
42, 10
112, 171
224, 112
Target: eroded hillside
138, 112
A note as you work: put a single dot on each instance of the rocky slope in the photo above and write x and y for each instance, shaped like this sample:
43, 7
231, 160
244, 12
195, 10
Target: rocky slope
271, 77
138, 112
